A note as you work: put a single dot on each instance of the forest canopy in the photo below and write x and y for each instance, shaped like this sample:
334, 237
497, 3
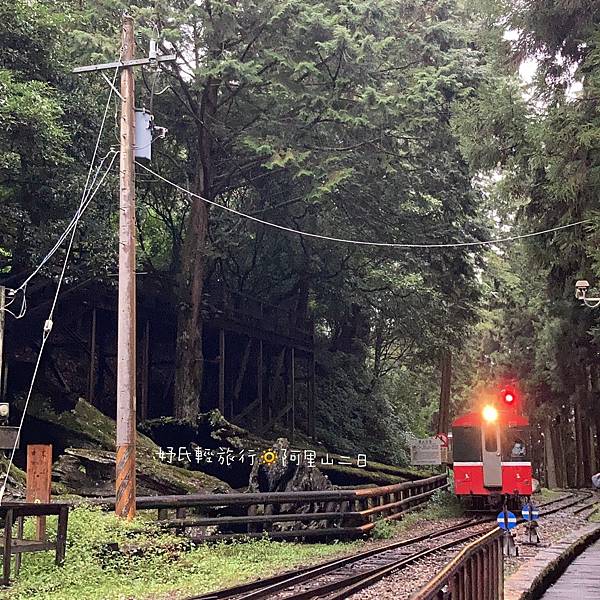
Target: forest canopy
375, 120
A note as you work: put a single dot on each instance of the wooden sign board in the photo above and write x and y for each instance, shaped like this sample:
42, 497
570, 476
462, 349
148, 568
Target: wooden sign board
39, 480
8, 437
426, 451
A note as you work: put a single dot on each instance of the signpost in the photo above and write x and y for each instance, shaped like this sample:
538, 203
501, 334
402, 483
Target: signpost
426, 451
530, 513
506, 520
531, 516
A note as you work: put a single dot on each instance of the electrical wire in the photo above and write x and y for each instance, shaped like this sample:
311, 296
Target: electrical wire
72, 224
86, 197
511, 238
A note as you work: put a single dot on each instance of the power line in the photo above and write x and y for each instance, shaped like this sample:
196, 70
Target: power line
87, 199
511, 238
48, 324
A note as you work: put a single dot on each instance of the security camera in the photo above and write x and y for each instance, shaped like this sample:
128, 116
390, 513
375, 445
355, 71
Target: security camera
581, 287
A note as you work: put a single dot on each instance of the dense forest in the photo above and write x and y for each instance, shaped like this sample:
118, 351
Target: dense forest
415, 122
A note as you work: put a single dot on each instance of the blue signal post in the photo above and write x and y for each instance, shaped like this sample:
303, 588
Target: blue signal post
506, 520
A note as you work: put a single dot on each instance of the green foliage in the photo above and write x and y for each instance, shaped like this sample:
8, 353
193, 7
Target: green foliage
45, 133
109, 559
351, 409
385, 530
442, 505
544, 172
313, 115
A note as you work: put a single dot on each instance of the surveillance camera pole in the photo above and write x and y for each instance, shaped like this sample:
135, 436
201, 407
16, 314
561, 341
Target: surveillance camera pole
126, 342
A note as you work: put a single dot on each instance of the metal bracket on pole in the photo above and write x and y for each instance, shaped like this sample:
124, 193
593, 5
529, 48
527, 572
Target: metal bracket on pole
112, 87
135, 62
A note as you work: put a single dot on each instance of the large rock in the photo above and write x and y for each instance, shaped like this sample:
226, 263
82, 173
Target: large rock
84, 445
287, 476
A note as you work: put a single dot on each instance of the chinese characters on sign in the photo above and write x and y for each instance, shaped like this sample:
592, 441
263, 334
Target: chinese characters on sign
227, 456
427, 451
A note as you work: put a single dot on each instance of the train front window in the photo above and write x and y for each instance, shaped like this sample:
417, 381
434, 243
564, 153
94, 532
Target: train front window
466, 444
516, 443
491, 439
518, 449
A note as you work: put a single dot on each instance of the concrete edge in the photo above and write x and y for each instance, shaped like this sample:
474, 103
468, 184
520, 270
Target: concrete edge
558, 565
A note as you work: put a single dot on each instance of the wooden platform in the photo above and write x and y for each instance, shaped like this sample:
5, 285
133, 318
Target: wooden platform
581, 580
531, 578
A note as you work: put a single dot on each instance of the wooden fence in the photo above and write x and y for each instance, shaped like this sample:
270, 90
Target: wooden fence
477, 573
287, 515
16, 512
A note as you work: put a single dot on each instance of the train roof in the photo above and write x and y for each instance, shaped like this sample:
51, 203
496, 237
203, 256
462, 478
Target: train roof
474, 419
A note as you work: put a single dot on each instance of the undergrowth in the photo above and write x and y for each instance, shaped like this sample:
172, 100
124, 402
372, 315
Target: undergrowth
109, 559
546, 495
595, 516
442, 505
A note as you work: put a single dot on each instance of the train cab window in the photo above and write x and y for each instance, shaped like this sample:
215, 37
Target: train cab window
516, 444
466, 444
491, 439
519, 449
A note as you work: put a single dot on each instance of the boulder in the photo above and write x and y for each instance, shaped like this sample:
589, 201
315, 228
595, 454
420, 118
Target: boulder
285, 476
84, 444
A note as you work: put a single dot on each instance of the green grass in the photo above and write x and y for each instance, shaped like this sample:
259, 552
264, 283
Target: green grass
148, 563
595, 516
443, 505
547, 495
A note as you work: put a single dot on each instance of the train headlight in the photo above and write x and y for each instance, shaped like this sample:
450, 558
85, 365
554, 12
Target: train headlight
490, 413
4, 410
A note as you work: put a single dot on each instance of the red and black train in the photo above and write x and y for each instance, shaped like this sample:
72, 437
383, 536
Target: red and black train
491, 449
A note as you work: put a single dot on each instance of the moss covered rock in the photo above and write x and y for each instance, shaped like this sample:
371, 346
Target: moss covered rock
84, 444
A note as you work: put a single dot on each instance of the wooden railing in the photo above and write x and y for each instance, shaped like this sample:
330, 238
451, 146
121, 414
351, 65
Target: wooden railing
329, 513
476, 573
16, 512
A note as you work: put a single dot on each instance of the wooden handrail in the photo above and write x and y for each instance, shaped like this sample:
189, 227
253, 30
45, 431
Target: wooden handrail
354, 517
398, 487
398, 504
454, 568
241, 499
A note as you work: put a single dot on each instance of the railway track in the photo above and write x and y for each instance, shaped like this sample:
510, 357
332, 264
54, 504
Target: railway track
338, 579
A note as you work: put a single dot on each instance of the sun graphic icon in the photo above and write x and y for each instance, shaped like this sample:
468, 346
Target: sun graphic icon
268, 457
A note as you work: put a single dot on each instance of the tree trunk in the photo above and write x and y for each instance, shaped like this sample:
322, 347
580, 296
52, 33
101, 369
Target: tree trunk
558, 447
551, 479
445, 390
582, 450
189, 356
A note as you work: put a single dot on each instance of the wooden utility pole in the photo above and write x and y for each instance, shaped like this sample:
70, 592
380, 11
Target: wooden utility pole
126, 343
2, 313
126, 340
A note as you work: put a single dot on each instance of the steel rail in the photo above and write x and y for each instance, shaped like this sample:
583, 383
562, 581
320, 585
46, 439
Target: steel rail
272, 584
569, 504
265, 588
340, 590
366, 579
